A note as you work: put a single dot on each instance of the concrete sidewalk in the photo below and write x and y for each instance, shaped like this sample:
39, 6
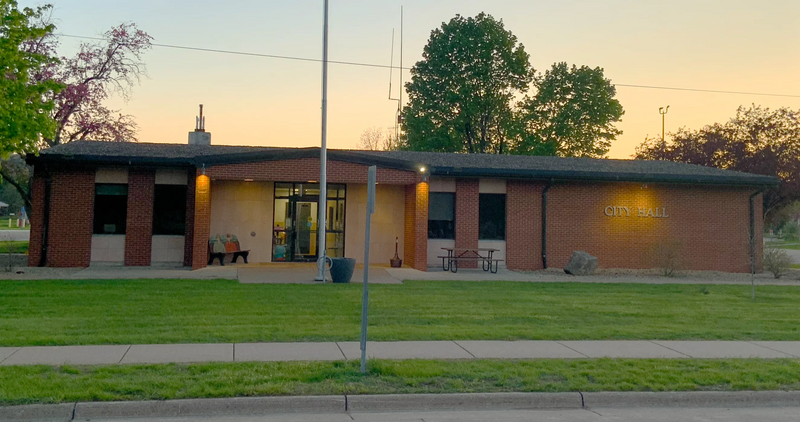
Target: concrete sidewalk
333, 351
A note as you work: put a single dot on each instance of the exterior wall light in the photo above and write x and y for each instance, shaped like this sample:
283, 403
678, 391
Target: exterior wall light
203, 170
424, 171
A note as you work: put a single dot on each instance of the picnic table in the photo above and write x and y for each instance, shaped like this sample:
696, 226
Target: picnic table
485, 255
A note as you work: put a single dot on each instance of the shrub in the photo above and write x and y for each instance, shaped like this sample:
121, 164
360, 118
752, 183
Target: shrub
777, 261
791, 231
666, 256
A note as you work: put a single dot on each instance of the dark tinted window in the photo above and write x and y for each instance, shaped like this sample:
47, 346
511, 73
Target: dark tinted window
492, 217
169, 210
110, 208
441, 215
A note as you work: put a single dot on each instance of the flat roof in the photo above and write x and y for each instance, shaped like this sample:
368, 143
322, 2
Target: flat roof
437, 163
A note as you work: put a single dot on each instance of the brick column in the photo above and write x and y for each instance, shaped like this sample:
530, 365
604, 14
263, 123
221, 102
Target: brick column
36, 216
523, 225
69, 243
415, 249
139, 222
467, 220
202, 221
188, 237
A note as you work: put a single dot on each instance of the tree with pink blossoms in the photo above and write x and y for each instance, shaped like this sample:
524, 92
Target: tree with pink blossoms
110, 66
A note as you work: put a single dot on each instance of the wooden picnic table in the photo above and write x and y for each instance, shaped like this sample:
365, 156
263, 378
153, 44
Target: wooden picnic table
485, 255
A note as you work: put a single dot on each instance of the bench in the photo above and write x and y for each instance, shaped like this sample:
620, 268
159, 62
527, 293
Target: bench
232, 250
450, 263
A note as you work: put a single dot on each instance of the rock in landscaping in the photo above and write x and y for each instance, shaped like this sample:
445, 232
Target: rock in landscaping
581, 263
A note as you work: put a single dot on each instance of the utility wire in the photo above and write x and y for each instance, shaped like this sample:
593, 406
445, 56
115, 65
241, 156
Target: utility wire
306, 59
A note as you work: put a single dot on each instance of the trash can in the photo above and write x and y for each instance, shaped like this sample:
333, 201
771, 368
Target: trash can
342, 269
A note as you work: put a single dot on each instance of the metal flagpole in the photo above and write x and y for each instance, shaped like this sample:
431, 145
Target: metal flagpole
323, 157
371, 178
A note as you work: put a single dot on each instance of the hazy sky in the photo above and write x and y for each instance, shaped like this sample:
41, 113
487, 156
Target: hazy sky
733, 45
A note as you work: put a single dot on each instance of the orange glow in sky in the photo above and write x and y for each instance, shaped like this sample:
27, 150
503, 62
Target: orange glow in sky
730, 45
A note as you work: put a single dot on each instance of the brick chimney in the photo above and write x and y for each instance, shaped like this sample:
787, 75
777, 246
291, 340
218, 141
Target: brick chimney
200, 136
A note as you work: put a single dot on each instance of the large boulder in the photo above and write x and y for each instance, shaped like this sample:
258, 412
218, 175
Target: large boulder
581, 263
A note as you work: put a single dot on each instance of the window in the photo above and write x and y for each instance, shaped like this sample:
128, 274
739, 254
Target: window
110, 208
169, 210
492, 216
441, 215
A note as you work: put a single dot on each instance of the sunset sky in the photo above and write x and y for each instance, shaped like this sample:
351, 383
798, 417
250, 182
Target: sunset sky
732, 45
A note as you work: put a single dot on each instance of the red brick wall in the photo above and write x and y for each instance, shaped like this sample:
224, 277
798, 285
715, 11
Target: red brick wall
36, 216
415, 249
71, 217
201, 221
305, 169
467, 216
524, 225
188, 238
709, 227
139, 224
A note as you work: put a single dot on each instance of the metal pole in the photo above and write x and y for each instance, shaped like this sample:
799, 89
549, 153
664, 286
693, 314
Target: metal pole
365, 295
323, 157
663, 111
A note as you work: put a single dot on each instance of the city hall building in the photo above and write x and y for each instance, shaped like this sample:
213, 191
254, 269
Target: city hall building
141, 204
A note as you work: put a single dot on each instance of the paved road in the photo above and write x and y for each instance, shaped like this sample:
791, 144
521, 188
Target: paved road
669, 414
14, 234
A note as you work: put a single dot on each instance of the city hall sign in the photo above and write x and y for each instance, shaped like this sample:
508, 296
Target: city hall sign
617, 211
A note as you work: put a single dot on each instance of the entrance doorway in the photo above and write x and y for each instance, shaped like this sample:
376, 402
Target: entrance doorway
295, 223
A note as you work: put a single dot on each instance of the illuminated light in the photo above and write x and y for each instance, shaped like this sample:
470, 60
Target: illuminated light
312, 181
248, 180
423, 169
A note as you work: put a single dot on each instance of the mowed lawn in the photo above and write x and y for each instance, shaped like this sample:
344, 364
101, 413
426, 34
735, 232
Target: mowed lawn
196, 311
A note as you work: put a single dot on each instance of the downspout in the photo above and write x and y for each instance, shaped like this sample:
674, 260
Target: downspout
544, 223
46, 218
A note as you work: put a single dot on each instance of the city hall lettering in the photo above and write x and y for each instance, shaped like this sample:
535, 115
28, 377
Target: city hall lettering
616, 211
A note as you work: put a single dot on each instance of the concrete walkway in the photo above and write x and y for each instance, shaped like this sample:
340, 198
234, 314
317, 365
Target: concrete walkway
333, 351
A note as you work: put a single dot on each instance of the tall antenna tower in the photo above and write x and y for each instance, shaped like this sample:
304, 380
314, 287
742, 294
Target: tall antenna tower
399, 113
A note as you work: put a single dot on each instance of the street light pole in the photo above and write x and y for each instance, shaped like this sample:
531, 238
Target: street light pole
663, 111
323, 156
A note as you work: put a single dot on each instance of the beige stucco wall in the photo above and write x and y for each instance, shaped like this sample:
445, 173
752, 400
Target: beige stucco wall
242, 208
387, 222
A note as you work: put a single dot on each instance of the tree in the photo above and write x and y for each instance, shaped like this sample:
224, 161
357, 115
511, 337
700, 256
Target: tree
461, 94
758, 140
26, 97
97, 71
572, 114
376, 139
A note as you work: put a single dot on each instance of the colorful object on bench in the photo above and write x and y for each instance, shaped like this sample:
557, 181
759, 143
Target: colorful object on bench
218, 249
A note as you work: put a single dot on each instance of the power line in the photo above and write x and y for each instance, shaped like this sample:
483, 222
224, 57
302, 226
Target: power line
307, 59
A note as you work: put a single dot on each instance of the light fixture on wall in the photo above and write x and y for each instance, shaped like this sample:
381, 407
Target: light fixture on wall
203, 169
248, 180
424, 171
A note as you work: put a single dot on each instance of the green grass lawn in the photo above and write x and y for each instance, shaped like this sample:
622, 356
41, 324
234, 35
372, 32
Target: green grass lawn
14, 246
46, 384
188, 311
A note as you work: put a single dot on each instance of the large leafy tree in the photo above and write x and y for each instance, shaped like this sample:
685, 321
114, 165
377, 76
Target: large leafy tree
461, 95
758, 140
26, 93
112, 66
572, 114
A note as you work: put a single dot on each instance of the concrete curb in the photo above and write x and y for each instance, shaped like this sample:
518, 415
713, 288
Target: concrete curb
39, 412
692, 399
393, 402
474, 401
205, 407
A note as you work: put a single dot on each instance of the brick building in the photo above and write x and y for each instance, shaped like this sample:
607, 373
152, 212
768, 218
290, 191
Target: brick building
138, 204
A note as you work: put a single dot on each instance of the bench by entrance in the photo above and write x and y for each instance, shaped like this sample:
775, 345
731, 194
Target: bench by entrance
219, 249
455, 255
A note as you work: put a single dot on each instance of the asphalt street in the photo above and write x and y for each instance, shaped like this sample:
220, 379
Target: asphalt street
16, 235
664, 414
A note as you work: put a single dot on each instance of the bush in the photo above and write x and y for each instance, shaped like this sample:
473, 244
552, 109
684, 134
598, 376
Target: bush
777, 262
666, 256
791, 231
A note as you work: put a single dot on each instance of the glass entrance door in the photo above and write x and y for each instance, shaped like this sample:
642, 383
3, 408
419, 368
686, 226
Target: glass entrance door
296, 224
